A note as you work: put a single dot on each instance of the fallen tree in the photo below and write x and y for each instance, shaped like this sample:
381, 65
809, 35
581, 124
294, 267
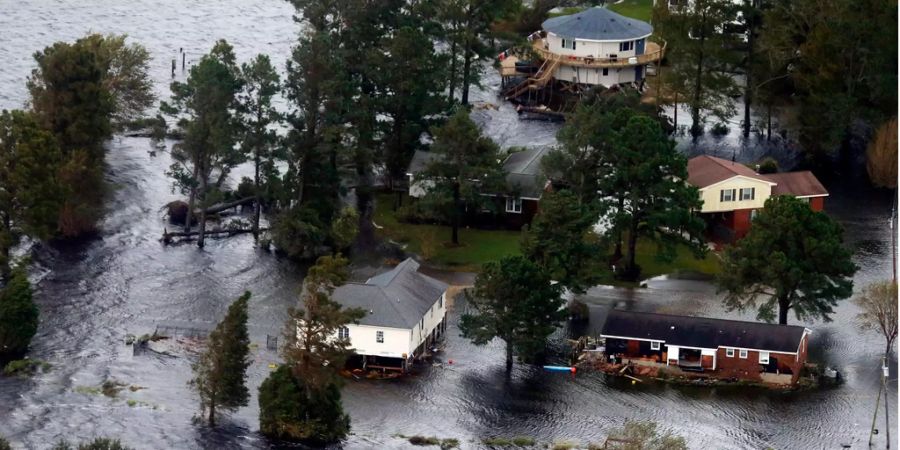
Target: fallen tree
177, 210
226, 232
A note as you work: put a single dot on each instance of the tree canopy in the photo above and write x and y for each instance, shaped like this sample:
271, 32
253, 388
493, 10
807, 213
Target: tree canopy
221, 371
18, 314
793, 258
514, 300
878, 305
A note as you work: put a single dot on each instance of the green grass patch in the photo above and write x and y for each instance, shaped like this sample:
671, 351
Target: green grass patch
683, 263
444, 444
636, 9
26, 367
432, 242
569, 10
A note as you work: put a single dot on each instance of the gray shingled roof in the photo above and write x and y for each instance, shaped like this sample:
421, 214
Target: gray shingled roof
703, 332
398, 298
598, 24
421, 160
523, 171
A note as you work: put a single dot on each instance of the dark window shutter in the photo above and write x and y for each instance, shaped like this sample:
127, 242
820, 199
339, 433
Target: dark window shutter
722, 195
752, 193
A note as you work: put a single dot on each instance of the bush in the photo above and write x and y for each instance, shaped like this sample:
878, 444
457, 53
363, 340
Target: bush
719, 129
96, 444
18, 315
25, 367
768, 165
299, 232
523, 441
4, 444
288, 412
422, 440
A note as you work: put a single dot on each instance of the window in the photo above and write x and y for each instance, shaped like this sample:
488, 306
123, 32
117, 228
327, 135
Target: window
626, 46
743, 354
379, 337
654, 346
729, 352
513, 205
605, 71
748, 193
763, 357
726, 195
568, 43
343, 333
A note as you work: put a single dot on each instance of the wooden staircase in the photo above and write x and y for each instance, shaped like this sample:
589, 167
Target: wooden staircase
539, 80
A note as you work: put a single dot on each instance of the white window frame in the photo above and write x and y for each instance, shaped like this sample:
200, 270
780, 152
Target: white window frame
763, 357
729, 352
751, 191
731, 194
514, 205
743, 353
568, 43
343, 333
655, 345
626, 46
379, 337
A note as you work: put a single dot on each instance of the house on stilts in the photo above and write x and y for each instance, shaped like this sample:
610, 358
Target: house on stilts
405, 315
595, 47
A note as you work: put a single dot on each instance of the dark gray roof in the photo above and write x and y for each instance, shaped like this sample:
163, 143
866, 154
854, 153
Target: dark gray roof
598, 24
523, 171
398, 298
703, 332
420, 161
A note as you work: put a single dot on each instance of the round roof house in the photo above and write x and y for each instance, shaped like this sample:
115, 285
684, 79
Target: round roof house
598, 24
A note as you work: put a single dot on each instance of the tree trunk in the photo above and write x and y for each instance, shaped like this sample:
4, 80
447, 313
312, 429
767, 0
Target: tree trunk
191, 199
631, 265
509, 357
675, 120
887, 410
784, 305
212, 414
256, 207
457, 206
452, 69
202, 231
617, 254
698, 84
467, 68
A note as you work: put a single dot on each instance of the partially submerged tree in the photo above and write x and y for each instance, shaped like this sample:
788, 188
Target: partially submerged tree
204, 106
100, 443
793, 258
302, 401
18, 315
643, 436
221, 372
30, 192
257, 116
466, 166
513, 300
878, 303
561, 240
648, 194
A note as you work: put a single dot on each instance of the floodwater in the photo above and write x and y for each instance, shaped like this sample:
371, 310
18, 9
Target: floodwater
92, 294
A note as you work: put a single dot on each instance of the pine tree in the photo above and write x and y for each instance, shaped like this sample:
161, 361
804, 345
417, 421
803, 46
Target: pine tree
513, 300
290, 412
467, 165
793, 258
18, 315
204, 106
221, 372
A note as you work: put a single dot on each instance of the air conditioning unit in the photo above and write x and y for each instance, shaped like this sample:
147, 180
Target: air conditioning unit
632, 60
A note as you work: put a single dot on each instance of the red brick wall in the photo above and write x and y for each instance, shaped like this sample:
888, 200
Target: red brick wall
740, 222
817, 203
749, 368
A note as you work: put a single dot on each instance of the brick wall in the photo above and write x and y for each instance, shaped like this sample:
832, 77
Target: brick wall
749, 368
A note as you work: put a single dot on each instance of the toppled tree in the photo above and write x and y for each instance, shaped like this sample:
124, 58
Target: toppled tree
30, 192
513, 300
221, 371
561, 240
204, 106
302, 401
18, 315
793, 258
465, 166
878, 303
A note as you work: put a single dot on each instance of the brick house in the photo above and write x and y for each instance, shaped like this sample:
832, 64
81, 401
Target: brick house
713, 348
732, 193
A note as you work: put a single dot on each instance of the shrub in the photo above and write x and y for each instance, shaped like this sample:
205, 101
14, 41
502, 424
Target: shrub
422, 440
719, 129
4, 444
25, 367
96, 444
523, 441
18, 315
287, 412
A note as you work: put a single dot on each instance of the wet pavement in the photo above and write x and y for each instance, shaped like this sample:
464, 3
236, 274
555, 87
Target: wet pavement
94, 293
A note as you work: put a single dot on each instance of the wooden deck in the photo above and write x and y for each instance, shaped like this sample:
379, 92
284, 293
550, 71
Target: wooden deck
653, 52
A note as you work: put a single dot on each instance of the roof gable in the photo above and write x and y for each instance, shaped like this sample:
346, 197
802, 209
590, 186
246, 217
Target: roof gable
398, 298
705, 171
703, 332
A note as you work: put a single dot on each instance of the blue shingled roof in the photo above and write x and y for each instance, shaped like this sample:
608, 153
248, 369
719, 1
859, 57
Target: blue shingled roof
598, 24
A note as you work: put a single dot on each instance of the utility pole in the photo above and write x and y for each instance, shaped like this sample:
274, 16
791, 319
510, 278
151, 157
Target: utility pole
887, 422
875, 416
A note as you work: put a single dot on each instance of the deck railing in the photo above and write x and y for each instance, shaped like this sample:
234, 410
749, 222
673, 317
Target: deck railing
654, 52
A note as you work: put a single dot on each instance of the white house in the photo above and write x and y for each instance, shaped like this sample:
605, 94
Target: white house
406, 313
593, 47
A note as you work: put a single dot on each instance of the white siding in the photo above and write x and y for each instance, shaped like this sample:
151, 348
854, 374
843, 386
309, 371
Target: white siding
398, 342
596, 49
594, 76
